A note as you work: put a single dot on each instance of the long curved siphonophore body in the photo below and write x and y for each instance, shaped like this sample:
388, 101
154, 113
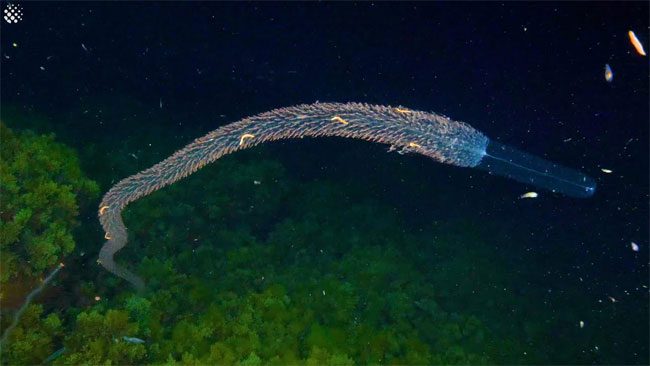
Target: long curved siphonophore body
429, 134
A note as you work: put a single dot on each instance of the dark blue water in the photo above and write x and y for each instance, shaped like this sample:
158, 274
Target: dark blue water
145, 79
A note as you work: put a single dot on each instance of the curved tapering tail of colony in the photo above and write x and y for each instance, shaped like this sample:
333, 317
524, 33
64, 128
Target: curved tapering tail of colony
514, 164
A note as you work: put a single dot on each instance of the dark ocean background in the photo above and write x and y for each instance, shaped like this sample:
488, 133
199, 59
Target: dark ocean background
329, 250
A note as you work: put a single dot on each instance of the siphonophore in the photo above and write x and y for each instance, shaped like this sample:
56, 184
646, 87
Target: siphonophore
406, 130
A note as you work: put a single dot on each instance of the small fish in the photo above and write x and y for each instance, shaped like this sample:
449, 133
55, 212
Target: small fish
636, 43
84, 47
634, 246
529, 195
160, 104
609, 74
133, 340
257, 182
608, 171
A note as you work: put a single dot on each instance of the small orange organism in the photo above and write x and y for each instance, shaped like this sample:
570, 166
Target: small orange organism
244, 137
339, 119
609, 74
402, 110
636, 43
102, 210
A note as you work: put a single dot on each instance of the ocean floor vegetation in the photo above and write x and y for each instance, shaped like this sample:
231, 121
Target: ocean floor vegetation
246, 264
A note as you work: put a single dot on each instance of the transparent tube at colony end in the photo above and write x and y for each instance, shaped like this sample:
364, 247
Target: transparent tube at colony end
511, 163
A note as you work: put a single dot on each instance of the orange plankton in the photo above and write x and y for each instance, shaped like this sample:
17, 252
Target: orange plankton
635, 42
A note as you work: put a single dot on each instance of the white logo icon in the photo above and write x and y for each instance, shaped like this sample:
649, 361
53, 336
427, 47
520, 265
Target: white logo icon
13, 13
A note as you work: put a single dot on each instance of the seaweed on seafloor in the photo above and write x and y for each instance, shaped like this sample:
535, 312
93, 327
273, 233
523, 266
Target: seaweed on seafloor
266, 274
42, 185
42, 188
301, 293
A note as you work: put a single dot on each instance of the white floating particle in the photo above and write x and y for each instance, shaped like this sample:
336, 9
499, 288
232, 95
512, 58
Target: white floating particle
529, 195
611, 299
634, 246
582, 324
257, 182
